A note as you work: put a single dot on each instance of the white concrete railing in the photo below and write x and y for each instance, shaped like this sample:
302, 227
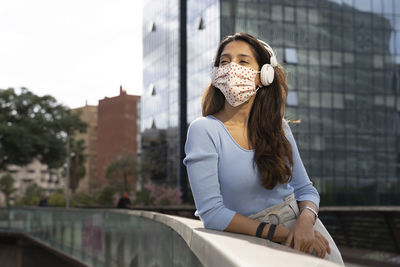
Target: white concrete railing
218, 248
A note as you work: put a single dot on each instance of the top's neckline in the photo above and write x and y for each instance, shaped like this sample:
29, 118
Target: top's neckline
234, 141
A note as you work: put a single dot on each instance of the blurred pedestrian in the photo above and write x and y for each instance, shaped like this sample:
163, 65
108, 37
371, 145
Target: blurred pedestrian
43, 201
124, 202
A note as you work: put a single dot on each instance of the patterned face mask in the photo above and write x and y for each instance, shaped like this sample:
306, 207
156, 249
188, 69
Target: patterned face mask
235, 81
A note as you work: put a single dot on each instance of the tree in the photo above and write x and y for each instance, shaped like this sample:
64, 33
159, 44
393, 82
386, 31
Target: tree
83, 199
31, 196
57, 199
78, 159
163, 195
106, 196
7, 186
154, 158
122, 170
34, 127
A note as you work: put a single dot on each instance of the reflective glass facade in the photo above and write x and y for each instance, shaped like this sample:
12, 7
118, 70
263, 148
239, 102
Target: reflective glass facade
342, 60
159, 113
202, 46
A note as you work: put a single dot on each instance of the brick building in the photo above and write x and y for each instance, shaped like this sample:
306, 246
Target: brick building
89, 115
116, 130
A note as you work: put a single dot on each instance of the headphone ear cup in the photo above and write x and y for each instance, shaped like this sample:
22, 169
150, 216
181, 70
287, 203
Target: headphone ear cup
267, 74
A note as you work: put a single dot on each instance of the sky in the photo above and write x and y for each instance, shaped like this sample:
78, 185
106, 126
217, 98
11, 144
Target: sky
74, 50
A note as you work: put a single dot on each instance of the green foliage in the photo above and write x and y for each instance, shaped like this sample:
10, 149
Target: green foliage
31, 196
106, 196
34, 201
83, 199
154, 158
57, 199
143, 197
34, 127
7, 186
122, 171
78, 159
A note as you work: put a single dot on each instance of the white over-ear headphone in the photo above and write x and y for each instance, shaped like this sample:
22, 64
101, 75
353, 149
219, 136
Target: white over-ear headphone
267, 71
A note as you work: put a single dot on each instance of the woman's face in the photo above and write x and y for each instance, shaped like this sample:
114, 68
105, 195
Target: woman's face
241, 53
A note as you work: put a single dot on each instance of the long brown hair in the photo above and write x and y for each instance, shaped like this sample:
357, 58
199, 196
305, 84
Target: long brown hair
273, 152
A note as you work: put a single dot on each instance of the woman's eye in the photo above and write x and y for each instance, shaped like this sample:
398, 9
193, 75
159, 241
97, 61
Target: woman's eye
245, 62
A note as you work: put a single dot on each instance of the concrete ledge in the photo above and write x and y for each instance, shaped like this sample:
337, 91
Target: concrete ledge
218, 248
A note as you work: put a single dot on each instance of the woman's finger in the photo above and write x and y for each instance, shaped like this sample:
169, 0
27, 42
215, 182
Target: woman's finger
310, 243
298, 244
317, 247
289, 240
325, 241
322, 250
310, 249
304, 244
324, 244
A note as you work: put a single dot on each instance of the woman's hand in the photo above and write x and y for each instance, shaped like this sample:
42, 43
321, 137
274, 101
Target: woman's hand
321, 245
301, 237
304, 238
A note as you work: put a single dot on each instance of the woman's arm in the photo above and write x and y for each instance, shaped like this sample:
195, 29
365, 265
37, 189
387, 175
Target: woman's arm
201, 162
303, 187
302, 236
243, 225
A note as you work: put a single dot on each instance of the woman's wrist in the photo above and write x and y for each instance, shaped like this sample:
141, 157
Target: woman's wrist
280, 235
308, 215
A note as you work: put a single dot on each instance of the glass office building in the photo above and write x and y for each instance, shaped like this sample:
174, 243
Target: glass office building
342, 60
159, 118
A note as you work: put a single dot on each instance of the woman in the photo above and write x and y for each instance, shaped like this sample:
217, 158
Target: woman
243, 164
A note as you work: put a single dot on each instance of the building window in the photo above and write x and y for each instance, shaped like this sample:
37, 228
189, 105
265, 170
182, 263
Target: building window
201, 25
152, 89
152, 26
292, 99
397, 123
290, 55
289, 13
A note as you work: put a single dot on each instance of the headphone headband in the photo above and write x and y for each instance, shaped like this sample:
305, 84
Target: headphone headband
273, 60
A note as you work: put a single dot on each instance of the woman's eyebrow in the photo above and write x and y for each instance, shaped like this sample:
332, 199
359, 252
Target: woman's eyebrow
244, 55
226, 55
240, 55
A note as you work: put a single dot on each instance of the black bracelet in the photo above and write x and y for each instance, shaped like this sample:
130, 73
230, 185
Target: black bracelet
260, 229
271, 232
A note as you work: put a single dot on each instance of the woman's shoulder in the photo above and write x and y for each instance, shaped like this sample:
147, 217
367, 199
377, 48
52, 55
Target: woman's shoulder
207, 122
204, 125
202, 131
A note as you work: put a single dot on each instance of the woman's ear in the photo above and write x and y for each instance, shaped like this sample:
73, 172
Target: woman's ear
258, 81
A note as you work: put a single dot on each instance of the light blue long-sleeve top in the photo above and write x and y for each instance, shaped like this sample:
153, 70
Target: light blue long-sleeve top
224, 181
